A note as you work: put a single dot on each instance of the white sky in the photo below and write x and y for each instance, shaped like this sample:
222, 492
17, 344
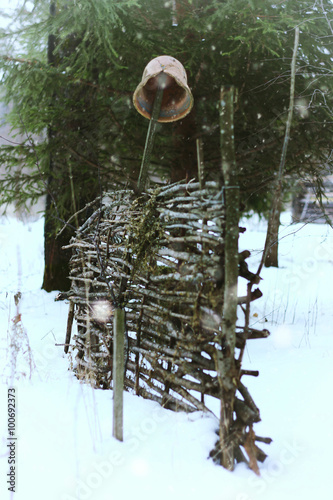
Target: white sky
7, 7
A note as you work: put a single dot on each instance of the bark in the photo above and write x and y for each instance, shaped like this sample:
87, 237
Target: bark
272, 259
56, 267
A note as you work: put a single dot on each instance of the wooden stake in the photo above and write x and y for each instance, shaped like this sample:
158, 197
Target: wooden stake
225, 357
231, 195
69, 326
118, 372
200, 162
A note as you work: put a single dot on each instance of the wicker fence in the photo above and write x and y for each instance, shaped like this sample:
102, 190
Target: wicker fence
160, 257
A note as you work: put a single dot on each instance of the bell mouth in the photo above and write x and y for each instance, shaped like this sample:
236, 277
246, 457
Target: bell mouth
177, 99
176, 102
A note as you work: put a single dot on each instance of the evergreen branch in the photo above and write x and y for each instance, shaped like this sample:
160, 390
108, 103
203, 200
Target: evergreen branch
56, 71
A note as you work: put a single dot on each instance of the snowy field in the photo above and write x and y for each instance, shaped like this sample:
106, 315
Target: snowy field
64, 447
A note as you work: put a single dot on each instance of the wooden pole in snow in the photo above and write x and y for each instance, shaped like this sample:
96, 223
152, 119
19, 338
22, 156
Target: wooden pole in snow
226, 368
118, 372
231, 199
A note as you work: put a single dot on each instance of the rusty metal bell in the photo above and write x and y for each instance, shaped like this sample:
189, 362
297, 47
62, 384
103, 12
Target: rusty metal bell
169, 74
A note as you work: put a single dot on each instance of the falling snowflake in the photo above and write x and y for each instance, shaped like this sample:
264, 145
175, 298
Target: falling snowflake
102, 311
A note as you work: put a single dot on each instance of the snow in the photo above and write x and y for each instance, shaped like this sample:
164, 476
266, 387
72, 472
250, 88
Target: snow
64, 447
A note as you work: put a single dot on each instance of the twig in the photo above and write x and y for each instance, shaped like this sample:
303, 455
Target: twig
76, 214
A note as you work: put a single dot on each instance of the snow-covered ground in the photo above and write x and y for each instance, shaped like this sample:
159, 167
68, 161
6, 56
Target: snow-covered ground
64, 447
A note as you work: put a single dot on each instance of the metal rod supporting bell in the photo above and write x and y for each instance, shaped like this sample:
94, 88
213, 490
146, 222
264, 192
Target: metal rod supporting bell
150, 140
162, 96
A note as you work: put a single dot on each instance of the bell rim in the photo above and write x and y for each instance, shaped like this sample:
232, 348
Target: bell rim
167, 71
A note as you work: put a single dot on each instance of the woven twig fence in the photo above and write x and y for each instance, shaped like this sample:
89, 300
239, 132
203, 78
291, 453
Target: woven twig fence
161, 258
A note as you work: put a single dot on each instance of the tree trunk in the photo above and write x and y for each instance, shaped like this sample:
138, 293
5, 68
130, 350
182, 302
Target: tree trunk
56, 269
270, 254
69, 176
272, 238
56, 260
185, 165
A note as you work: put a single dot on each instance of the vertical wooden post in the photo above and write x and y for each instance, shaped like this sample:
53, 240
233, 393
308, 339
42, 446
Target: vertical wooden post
200, 162
118, 372
226, 356
69, 326
231, 196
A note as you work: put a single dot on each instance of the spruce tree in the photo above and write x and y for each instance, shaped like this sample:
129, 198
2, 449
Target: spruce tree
71, 75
